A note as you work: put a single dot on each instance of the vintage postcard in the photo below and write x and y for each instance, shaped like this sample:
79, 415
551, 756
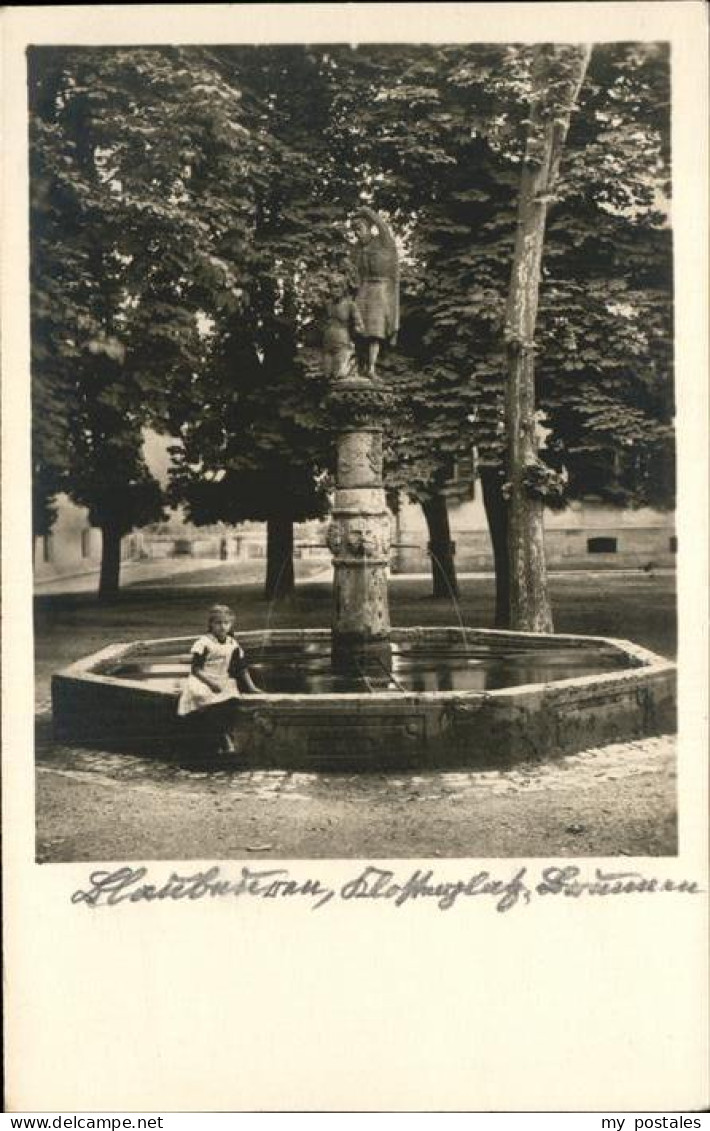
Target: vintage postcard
355, 557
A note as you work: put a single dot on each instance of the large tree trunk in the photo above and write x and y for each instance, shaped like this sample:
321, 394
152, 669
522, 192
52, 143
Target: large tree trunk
280, 580
110, 562
443, 570
496, 508
558, 73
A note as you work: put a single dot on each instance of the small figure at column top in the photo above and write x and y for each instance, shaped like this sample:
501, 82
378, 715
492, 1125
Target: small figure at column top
342, 322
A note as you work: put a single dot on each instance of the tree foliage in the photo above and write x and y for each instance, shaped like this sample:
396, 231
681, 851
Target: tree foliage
186, 203
132, 237
254, 442
145, 185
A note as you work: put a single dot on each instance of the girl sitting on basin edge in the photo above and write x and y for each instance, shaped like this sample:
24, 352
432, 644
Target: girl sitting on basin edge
217, 669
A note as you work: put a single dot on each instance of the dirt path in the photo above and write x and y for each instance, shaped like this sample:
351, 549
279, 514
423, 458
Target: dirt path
615, 800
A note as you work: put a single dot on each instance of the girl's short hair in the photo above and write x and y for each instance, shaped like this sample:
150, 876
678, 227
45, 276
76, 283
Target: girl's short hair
219, 611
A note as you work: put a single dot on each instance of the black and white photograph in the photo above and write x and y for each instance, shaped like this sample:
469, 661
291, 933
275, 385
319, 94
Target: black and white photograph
354, 559
353, 450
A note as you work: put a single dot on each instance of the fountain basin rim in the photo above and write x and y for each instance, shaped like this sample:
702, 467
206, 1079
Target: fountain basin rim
644, 663
384, 730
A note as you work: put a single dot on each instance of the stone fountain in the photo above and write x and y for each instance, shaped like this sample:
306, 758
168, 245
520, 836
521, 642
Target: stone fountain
364, 696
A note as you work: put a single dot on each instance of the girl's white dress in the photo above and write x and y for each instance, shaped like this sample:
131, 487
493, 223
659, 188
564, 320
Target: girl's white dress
217, 658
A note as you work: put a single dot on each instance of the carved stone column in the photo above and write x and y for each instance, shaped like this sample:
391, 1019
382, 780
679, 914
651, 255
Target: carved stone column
359, 534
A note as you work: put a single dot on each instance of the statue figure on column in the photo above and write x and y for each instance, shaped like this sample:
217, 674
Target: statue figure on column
342, 324
377, 267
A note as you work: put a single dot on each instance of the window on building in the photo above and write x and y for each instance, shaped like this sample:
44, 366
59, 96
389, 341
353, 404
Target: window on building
601, 545
47, 548
86, 543
673, 543
461, 484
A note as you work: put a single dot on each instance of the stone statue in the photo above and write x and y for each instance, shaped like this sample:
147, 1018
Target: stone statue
341, 325
377, 267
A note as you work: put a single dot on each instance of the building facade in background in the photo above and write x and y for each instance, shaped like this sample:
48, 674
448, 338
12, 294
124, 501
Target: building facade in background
587, 535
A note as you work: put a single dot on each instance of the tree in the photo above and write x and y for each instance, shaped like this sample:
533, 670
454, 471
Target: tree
250, 448
127, 148
255, 420
120, 495
558, 73
604, 360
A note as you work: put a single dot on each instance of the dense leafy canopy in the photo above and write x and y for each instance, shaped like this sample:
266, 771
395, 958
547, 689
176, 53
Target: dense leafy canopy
187, 202
134, 240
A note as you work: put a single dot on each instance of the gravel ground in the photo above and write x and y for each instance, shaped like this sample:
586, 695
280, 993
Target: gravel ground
616, 800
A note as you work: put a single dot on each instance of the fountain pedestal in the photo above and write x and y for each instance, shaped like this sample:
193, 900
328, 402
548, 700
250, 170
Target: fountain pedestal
359, 535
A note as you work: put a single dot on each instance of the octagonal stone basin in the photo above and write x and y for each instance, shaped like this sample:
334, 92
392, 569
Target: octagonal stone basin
477, 698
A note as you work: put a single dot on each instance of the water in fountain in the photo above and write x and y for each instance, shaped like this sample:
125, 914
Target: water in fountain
304, 667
